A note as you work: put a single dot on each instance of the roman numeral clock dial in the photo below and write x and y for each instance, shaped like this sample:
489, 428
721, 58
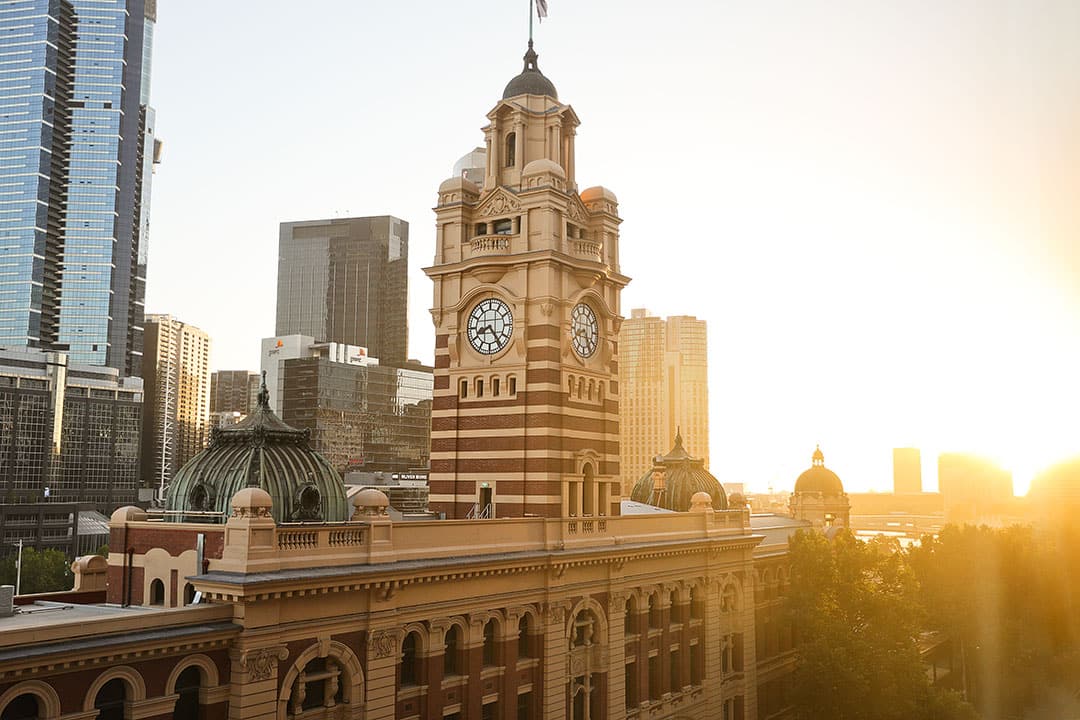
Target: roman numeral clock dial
584, 330
490, 326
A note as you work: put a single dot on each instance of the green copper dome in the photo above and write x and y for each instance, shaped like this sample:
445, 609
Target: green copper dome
680, 476
263, 452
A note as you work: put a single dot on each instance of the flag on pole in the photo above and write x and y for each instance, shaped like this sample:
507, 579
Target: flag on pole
541, 9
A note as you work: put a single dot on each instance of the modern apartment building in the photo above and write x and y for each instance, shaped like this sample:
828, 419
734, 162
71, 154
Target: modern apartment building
663, 386
233, 391
176, 422
68, 432
76, 163
345, 280
362, 414
907, 470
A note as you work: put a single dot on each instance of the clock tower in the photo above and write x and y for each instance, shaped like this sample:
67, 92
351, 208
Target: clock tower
525, 420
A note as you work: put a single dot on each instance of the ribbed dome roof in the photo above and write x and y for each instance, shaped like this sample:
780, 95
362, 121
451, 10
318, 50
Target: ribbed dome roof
683, 476
262, 452
531, 81
819, 479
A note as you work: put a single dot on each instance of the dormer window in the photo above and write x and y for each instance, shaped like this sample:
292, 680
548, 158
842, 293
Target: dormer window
511, 150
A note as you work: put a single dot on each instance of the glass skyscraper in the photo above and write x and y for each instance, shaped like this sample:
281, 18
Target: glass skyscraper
345, 280
76, 150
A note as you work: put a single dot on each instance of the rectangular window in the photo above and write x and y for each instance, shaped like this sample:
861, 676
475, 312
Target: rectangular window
479, 388
464, 388
503, 227
524, 706
495, 387
513, 385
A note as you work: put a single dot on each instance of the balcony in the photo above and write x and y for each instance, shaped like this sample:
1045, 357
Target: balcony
483, 245
587, 249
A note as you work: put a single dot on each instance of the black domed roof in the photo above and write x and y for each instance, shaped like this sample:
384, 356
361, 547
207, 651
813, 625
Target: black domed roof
683, 476
819, 479
531, 81
264, 452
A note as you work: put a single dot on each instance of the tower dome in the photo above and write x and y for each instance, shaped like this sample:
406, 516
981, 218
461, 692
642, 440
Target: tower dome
531, 81
261, 452
819, 479
675, 479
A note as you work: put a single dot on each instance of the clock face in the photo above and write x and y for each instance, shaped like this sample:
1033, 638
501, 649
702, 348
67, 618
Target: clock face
584, 331
490, 326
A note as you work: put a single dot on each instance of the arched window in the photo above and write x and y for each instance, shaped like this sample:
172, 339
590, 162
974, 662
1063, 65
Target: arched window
585, 627
410, 660
464, 388
630, 621
524, 647
490, 651
451, 659
513, 385
675, 612
157, 592
495, 387
588, 494
479, 388
654, 611
318, 685
729, 601
511, 150
187, 687
24, 707
111, 699
697, 603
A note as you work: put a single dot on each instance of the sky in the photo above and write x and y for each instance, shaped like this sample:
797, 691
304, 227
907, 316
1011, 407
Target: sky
875, 204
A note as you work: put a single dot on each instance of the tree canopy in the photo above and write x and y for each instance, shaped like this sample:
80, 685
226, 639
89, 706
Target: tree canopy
44, 571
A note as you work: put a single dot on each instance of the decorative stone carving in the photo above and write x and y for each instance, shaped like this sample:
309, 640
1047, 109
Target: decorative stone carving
575, 212
500, 204
261, 663
436, 318
546, 309
381, 644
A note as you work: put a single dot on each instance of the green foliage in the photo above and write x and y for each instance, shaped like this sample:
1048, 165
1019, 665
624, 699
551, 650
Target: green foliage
45, 571
855, 607
1011, 600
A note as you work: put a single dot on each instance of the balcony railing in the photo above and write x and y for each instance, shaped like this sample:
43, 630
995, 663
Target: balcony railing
587, 248
490, 245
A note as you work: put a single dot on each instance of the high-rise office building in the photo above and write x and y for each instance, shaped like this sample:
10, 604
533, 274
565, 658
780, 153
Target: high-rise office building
907, 470
76, 162
234, 391
68, 432
345, 280
663, 386
176, 419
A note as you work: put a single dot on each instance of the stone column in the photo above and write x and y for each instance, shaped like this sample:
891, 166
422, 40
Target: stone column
711, 637
745, 623
616, 652
380, 682
556, 647
254, 681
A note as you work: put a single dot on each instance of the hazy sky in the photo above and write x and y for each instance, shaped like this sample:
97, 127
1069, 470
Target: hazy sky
874, 204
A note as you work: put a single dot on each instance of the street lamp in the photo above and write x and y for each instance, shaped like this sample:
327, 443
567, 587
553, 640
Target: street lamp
18, 567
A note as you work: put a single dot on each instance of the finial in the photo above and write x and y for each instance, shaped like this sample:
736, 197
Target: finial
678, 435
264, 394
530, 59
818, 457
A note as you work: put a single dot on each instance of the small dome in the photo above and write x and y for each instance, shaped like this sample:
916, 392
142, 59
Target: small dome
598, 192
252, 498
736, 500
261, 454
127, 513
458, 183
370, 501
531, 81
676, 479
544, 165
819, 479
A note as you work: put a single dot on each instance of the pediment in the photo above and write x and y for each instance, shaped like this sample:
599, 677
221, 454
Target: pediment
575, 209
500, 202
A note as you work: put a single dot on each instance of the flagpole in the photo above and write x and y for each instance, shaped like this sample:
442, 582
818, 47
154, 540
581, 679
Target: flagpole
530, 19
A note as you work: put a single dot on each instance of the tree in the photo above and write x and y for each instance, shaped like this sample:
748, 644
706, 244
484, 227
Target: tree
855, 607
45, 571
1008, 597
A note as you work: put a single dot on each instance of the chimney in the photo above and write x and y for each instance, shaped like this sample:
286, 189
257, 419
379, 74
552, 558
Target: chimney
7, 600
